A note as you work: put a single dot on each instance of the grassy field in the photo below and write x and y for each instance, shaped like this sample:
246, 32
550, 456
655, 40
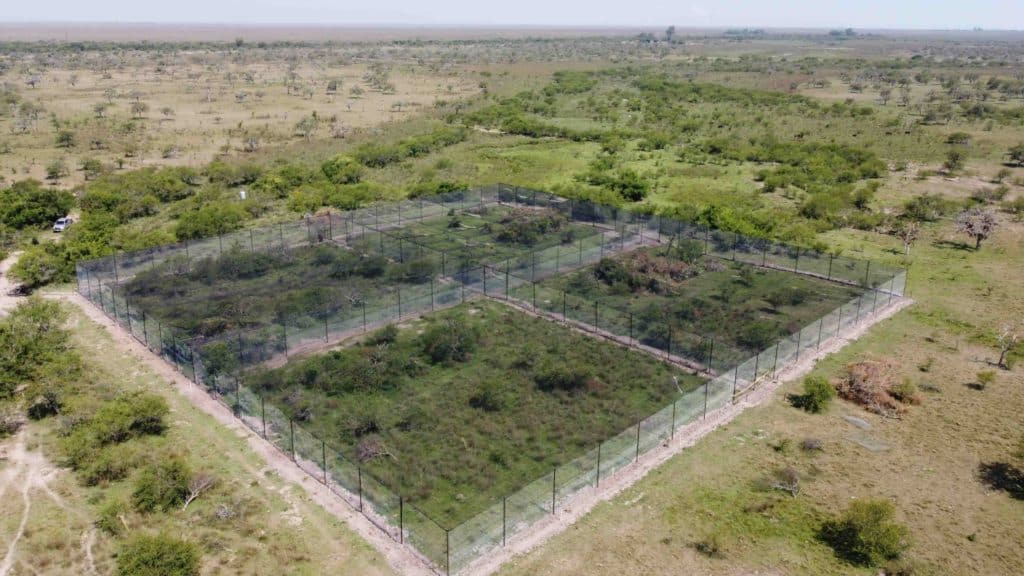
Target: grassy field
467, 405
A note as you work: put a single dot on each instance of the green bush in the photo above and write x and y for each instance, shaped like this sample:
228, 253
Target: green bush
553, 377
865, 534
129, 416
27, 203
449, 341
818, 393
342, 169
159, 555
162, 485
110, 515
34, 346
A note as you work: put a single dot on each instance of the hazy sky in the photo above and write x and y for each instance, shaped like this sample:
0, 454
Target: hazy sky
930, 14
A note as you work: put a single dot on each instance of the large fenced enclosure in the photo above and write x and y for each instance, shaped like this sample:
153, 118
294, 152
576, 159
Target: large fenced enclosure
457, 366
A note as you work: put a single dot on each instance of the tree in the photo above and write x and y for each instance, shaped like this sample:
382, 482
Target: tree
865, 534
29, 203
56, 169
954, 160
307, 126
907, 232
1009, 336
884, 95
65, 139
100, 108
139, 109
160, 555
1016, 154
976, 223
670, 32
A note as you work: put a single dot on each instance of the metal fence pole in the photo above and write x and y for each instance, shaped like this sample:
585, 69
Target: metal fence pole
504, 505
263, 415
821, 325
359, 473
291, 437
637, 441
284, 332
401, 501
323, 458
672, 429
707, 392
598, 478
554, 470
799, 334
829, 275
447, 551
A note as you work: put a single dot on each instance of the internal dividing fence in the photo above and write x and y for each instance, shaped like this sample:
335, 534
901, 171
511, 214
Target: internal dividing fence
448, 273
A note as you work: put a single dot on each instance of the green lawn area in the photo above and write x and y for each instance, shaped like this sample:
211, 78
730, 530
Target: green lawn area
459, 408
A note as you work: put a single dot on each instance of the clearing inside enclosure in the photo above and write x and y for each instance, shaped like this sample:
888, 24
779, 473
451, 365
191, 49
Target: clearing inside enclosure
461, 407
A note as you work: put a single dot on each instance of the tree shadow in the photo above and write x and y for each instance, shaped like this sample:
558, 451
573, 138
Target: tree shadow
953, 245
1003, 476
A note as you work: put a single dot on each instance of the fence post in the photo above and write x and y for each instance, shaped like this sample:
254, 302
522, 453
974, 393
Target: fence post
631, 328
757, 364
799, 335
220, 240
401, 501
263, 415
534, 285
711, 354
323, 458
431, 293
735, 380
359, 472
821, 325
325, 329
554, 470
504, 505
145, 333
564, 317
707, 391
867, 272
829, 275
707, 237
857, 317
764, 256
399, 302
284, 332
291, 437
637, 441
117, 278
874, 303
447, 552
669, 351
598, 479
580, 260
796, 264
596, 325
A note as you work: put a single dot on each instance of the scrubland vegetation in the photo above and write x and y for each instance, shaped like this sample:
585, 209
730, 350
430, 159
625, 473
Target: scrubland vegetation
900, 453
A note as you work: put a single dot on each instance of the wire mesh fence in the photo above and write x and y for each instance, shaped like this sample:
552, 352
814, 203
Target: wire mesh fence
445, 277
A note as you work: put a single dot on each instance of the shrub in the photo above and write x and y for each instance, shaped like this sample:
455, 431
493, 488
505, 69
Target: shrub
818, 393
110, 515
905, 391
449, 341
342, 170
159, 555
162, 485
561, 377
128, 416
985, 377
865, 534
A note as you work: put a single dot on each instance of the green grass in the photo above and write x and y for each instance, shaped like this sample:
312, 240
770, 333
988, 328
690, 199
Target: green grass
463, 433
